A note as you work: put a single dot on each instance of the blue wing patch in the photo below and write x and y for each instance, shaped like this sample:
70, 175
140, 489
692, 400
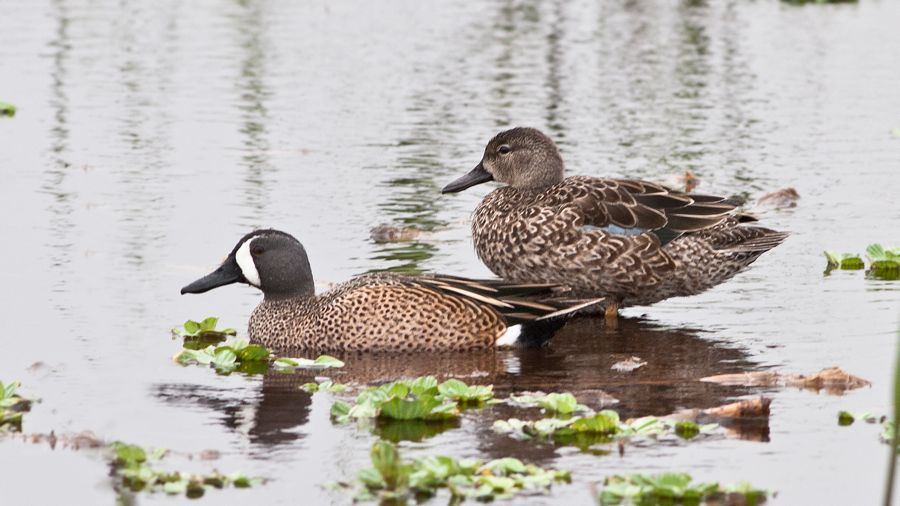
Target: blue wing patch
615, 229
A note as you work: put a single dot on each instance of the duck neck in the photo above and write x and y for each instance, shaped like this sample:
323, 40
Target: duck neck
544, 172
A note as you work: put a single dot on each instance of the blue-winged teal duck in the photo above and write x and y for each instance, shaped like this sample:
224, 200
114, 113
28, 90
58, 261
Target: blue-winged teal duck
379, 311
632, 241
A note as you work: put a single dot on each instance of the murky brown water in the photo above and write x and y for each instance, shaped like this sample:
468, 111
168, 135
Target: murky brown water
151, 135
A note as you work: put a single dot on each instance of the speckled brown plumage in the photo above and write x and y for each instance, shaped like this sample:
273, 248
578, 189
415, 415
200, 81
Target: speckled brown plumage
631, 241
394, 312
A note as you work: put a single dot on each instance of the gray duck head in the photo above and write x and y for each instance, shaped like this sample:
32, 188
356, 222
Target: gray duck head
523, 158
271, 260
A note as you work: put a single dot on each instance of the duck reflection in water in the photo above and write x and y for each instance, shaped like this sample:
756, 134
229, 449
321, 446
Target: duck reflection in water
576, 361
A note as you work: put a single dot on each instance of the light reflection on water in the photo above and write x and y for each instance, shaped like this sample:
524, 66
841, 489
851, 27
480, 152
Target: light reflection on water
150, 136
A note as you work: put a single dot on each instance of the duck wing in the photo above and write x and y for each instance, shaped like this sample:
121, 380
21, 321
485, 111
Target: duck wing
630, 207
517, 302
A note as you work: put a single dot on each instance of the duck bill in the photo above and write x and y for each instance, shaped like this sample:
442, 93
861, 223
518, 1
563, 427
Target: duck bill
476, 176
226, 274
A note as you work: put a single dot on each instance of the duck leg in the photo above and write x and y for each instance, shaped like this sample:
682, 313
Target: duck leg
611, 315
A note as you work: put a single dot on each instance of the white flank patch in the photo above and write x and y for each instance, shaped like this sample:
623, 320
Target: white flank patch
509, 337
245, 262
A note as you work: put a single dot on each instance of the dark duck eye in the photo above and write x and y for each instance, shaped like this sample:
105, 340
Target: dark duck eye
504, 149
257, 250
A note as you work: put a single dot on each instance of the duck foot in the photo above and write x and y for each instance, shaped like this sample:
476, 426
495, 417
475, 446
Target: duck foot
611, 315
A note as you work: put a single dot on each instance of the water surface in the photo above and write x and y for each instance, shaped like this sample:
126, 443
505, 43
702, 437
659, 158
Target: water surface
152, 135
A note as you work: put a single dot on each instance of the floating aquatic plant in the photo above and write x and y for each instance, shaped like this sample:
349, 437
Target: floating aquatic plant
326, 385
392, 479
883, 263
237, 355
602, 427
133, 467
418, 399
7, 109
847, 418
199, 335
321, 362
670, 488
844, 261
12, 407
205, 328
561, 403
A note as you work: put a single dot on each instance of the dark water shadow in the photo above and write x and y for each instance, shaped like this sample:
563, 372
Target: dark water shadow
270, 418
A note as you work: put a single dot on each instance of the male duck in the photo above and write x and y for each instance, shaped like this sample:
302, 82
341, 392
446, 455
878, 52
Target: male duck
632, 241
378, 311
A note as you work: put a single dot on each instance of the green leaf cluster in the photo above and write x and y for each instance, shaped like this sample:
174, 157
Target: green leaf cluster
559, 403
667, 488
238, 355
844, 261
205, 329
325, 385
133, 470
884, 263
422, 398
601, 427
12, 407
390, 478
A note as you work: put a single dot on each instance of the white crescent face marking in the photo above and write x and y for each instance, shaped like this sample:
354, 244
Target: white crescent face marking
509, 337
245, 262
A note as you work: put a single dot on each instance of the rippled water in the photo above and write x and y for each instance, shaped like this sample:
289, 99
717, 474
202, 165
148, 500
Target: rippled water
152, 135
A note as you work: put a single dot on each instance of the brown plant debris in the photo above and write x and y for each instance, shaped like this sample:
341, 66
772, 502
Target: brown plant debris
831, 379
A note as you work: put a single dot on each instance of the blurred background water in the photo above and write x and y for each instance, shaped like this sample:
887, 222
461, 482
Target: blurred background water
151, 135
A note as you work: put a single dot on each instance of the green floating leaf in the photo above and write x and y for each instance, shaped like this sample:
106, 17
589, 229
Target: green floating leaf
561, 403
192, 328
419, 399
393, 480
687, 429
844, 261
322, 362
253, 353
7, 109
666, 488
845, 418
12, 407
458, 391
205, 328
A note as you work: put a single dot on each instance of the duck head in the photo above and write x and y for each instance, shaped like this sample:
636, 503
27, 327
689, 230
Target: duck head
523, 158
271, 260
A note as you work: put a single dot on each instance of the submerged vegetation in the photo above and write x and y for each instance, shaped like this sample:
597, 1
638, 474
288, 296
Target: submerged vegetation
134, 470
12, 407
670, 488
392, 479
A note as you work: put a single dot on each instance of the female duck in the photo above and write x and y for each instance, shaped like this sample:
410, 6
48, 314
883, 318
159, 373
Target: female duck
632, 241
378, 311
